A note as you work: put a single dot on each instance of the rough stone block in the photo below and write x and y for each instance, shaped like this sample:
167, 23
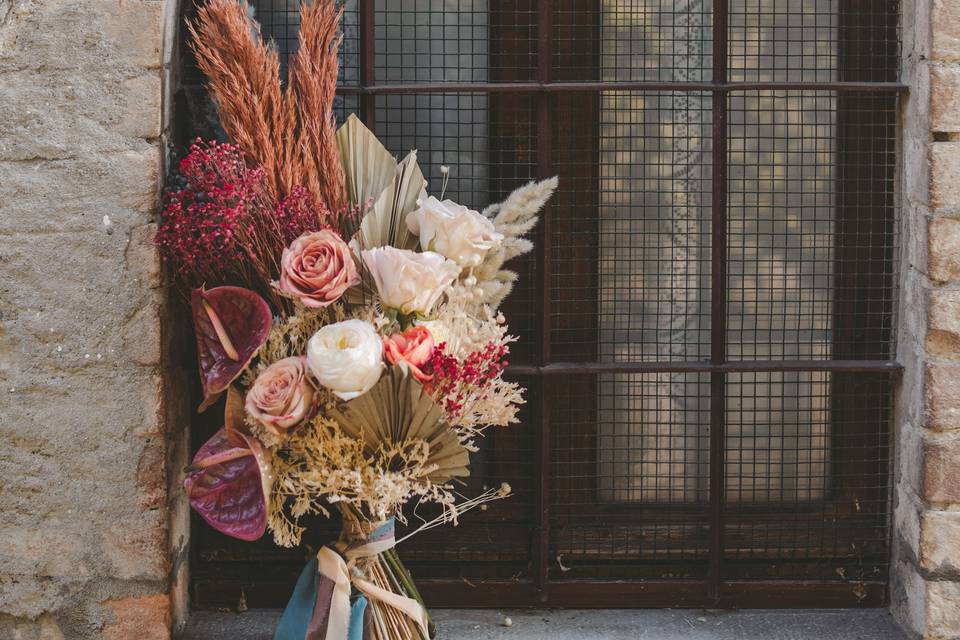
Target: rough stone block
908, 595
135, 548
142, 335
140, 115
152, 475
943, 612
940, 543
43, 628
941, 469
943, 323
945, 34
945, 97
134, 29
945, 174
943, 245
942, 397
142, 256
142, 618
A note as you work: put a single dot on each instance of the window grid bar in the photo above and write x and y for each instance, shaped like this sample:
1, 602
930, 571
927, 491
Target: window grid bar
544, 170
368, 62
370, 87
718, 296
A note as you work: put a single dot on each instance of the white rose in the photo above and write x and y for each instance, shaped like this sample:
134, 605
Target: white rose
409, 281
346, 357
451, 229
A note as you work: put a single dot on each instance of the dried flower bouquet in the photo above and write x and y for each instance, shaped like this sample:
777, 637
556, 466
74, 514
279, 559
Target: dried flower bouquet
347, 318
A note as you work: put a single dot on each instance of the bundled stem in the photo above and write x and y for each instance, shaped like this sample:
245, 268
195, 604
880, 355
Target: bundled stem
386, 571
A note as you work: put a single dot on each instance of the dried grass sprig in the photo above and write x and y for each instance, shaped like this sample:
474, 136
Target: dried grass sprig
244, 75
515, 217
312, 85
291, 133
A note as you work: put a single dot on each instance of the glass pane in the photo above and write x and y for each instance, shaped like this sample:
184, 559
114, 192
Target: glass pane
639, 40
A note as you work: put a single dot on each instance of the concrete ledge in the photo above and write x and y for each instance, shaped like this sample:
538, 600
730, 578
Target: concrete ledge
655, 624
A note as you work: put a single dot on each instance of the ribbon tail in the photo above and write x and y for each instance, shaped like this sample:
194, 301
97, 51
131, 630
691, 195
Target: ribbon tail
338, 611
357, 612
408, 606
296, 617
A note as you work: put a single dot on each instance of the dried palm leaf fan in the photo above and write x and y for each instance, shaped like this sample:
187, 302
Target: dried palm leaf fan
398, 410
373, 175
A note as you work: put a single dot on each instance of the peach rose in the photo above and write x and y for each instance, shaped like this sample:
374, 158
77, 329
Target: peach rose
317, 268
281, 397
412, 347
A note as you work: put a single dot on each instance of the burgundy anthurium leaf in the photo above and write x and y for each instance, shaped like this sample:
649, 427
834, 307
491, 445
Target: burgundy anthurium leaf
231, 323
229, 486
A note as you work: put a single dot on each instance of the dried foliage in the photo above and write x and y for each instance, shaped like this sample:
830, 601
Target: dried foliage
325, 466
291, 133
468, 367
244, 74
312, 85
515, 218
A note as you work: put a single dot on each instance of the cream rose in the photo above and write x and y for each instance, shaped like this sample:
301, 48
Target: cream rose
346, 357
408, 281
317, 268
454, 231
281, 397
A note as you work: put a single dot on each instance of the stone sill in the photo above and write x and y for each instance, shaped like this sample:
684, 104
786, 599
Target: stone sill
649, 624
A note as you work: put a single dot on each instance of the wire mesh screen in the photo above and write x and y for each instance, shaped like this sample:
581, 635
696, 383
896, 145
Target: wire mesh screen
706, 327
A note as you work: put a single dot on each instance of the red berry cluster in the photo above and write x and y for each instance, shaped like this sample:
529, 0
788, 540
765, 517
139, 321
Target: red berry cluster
205, 214
297, 214
456, 380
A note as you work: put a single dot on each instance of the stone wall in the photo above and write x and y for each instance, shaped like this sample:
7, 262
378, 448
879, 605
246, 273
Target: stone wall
91, 536
926, 579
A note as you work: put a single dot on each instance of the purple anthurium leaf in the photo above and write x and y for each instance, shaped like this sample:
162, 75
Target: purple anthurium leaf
229, 486
231, 323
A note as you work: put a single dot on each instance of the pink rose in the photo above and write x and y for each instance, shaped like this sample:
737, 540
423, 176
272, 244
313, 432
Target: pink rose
413, 347
317, 268
281, 397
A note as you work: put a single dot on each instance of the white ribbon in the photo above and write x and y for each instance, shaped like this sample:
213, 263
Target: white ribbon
332, 565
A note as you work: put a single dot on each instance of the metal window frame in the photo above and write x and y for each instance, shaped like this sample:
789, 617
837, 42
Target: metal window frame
541, 590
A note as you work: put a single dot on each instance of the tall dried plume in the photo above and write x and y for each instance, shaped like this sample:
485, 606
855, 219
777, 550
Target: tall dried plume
312, 85
291, 133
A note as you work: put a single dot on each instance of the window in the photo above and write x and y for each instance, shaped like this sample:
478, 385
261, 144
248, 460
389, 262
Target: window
706, 329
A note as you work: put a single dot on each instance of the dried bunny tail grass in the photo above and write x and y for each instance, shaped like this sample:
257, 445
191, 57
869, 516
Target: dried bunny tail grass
515, 217
312, 85
244, 76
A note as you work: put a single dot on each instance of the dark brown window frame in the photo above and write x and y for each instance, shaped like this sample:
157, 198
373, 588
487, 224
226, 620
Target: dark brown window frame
555, 98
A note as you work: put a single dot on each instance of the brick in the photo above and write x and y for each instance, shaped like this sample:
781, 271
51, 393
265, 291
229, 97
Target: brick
945, 98
139, 618
943, 246
945, 174
940, 543
945, 34
941, 470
